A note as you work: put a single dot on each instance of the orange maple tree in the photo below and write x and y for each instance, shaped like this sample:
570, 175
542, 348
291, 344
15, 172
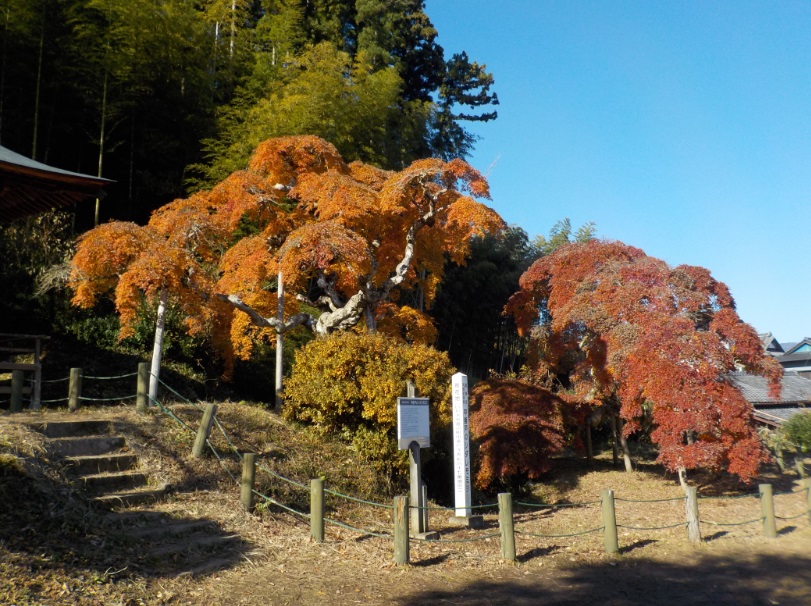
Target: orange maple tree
343, 237
655, 343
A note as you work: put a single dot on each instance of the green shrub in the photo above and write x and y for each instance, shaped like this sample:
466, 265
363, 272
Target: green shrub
798, 430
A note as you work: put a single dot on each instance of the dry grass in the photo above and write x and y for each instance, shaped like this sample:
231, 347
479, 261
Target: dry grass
53, 550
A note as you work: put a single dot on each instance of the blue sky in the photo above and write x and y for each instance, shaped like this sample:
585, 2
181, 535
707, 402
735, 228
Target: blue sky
682, 128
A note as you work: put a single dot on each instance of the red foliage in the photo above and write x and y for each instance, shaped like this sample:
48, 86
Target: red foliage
627, 328
517, 427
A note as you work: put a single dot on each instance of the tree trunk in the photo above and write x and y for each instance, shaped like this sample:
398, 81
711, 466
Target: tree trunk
615, 451
102, 134
157, 349
683, 477
626, 452
3, 72
38, 87
279, 345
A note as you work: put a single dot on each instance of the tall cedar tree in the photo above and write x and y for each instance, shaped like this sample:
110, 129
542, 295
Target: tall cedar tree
345, 238
655, 342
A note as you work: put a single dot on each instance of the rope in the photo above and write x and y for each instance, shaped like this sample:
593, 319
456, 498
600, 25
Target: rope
800, 515
280, 477
52, 401
357, 500
272, 501
484, 506
227, 439
50, 380
651, 527
760, 519
359, 530
116, 399
738, 496
131, 374
650, 500
555, 505
174, 392
559, 536
470, 540
222, 463
168, 412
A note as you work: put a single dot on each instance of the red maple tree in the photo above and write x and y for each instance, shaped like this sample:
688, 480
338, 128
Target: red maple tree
656, 344
517, 427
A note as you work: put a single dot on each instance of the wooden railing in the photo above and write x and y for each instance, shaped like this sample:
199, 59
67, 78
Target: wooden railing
21, 354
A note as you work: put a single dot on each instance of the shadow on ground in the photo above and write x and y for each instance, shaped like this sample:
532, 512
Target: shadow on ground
46, 524
710, 580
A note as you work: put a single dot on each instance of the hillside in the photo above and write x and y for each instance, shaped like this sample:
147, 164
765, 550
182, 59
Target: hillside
57, 549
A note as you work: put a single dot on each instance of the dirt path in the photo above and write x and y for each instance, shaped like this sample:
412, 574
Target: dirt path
741, 572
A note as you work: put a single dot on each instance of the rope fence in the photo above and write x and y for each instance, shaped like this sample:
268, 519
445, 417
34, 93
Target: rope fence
401, 535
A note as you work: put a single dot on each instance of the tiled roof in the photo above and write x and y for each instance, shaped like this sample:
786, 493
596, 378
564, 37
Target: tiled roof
796, 389
777, 415
794, 346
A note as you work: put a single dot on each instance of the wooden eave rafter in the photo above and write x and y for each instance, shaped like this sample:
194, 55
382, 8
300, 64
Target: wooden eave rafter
30, 188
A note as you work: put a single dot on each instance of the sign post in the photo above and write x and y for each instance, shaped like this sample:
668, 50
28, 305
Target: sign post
413, 433
461, 455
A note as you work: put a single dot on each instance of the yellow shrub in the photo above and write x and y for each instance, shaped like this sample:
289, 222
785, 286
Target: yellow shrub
348, 380
349, 383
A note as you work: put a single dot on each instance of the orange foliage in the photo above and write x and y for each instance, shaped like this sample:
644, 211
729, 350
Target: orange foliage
627, 328
355, 231
405, 324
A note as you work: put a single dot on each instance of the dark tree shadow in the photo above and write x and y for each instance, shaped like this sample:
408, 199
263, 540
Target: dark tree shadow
431, 561
637, 545
715, 535
537, 552
743, 581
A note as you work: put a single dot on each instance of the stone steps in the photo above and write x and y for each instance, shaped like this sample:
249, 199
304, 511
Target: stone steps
98, 459
103, 463
86, 445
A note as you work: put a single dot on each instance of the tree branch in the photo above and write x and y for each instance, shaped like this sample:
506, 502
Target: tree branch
301, 319
328, 286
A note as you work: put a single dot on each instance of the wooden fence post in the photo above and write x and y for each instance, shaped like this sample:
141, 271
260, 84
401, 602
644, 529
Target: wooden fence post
693, 524
141, 401
424, 501
609, 521
505, 525
317, 509
807, 485
204, 431
401, 553
74, 389
767, 508
248, 476
17, 383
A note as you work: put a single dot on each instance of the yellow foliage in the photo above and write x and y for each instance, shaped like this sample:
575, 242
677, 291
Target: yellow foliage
349, 380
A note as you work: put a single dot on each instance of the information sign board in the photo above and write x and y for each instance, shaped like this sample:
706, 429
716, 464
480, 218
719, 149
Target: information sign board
413, 422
